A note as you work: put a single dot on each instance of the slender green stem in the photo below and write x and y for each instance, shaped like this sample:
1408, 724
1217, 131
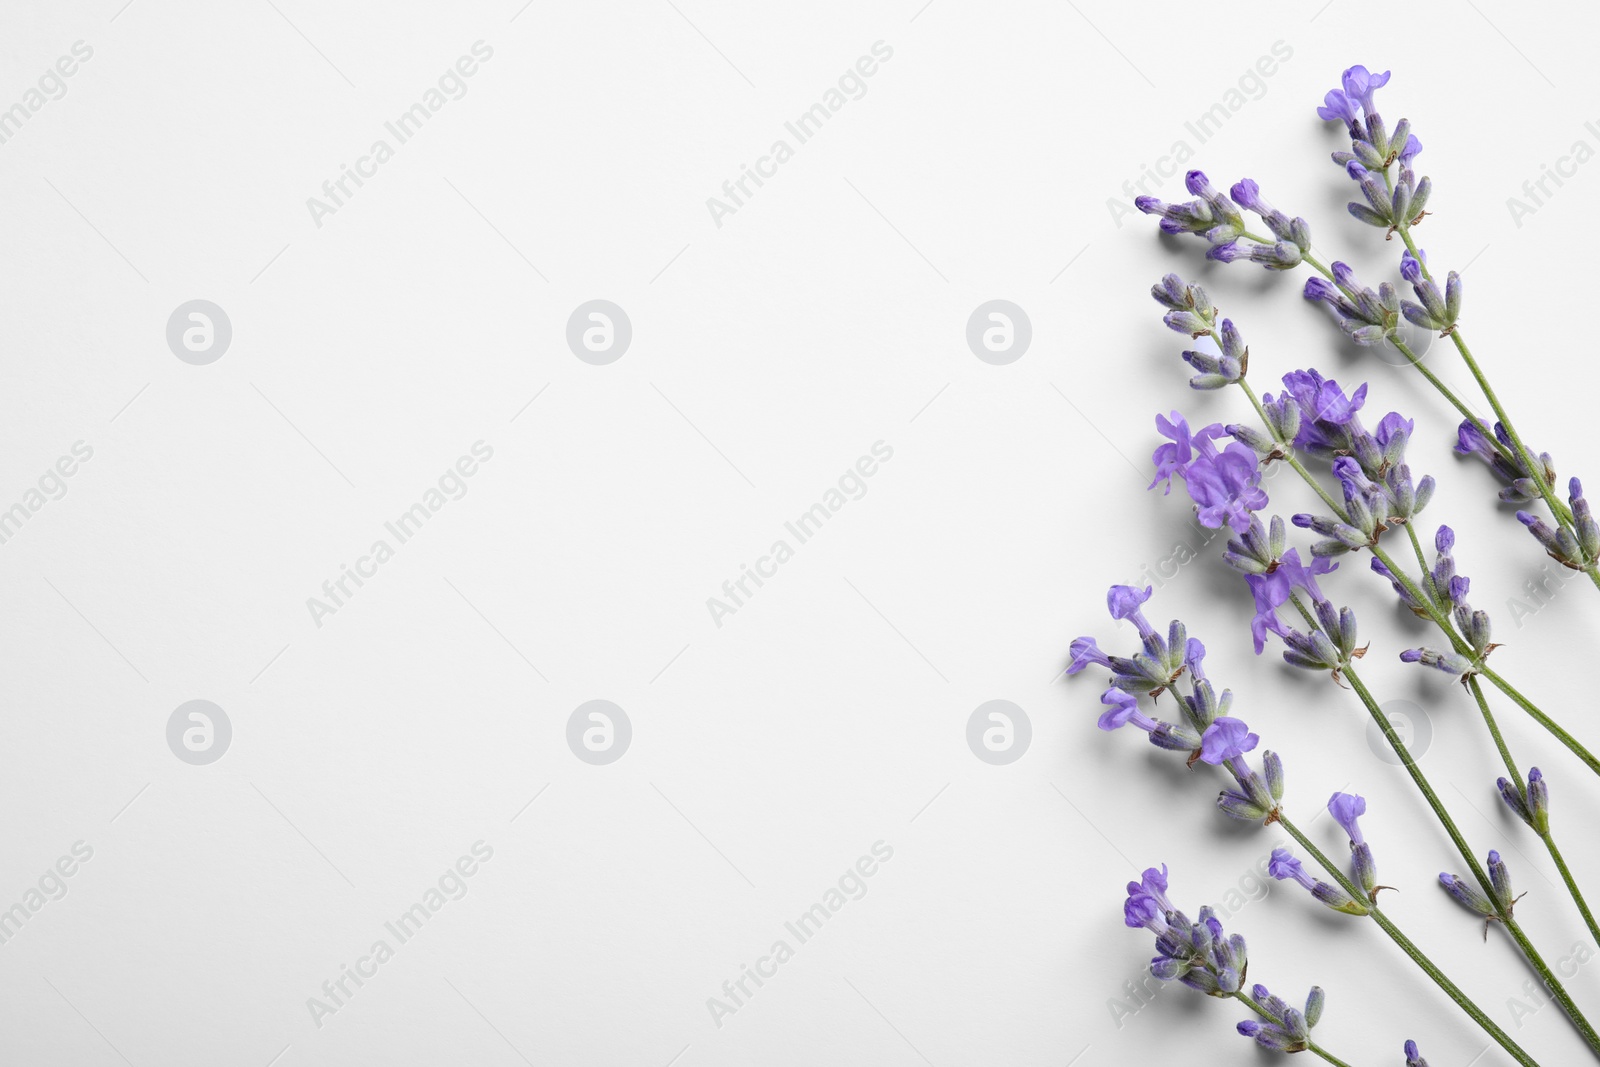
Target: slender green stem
1395, 934
1554, 728
1572, 885
1416, 547
1311, 1046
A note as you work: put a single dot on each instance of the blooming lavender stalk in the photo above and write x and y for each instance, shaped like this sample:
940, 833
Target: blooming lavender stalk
1374, 154
1208, 959
1256, 796
1381, 163
1317, 416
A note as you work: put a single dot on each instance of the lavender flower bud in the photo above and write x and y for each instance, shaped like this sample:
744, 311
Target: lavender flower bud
1274, 771
1171, 292
1513, 798
1256, 551
1251, 438
1500, 879
1364, 867
1414, 1057
1468, 896
1538, 800
1314, 1004
1583, 521
1448, 662
1559, 545
1285, 867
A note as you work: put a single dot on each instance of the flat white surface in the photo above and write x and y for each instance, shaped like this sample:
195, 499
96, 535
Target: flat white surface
769, 353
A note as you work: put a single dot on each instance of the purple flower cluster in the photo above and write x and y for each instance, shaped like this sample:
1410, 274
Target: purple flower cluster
1394, 203
1217, 219
1225, 484
1207, 732
1284, 867
1472, 898
1444, 588
1201, 954
1532, 804
1414, 1057
1571, 548
1346, 808
1211, 216
1438, 311
1365, 316
1285, 1029
1502, 457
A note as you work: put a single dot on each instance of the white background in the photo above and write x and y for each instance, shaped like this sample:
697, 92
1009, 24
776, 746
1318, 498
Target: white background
768, 354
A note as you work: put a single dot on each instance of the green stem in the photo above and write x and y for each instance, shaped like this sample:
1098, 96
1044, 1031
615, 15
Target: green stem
1311, 1046
1406, 945
1554, 728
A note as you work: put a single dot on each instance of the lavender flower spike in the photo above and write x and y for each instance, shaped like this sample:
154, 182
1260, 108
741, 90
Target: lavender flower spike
1284, 867
1414, 1057
1285, 1029
1345, 809
1211, 216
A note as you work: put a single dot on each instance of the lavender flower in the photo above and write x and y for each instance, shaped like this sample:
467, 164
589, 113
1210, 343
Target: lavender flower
1159, 662
1258, 550
1568, 548
1212, 216
1505, 461
1365, 316
1413, 1057
1285, 1029
1472, 898
1225, 485
1531, 805
1218, 371
1201, 955
1225, 743
1373, 149
1285, 867
1124, 709
1437, 311
1345, 809
1451, 663
1273, 587
1328, 417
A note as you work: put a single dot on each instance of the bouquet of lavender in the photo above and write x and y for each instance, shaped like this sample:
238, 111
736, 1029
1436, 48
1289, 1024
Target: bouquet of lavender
1365, 499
